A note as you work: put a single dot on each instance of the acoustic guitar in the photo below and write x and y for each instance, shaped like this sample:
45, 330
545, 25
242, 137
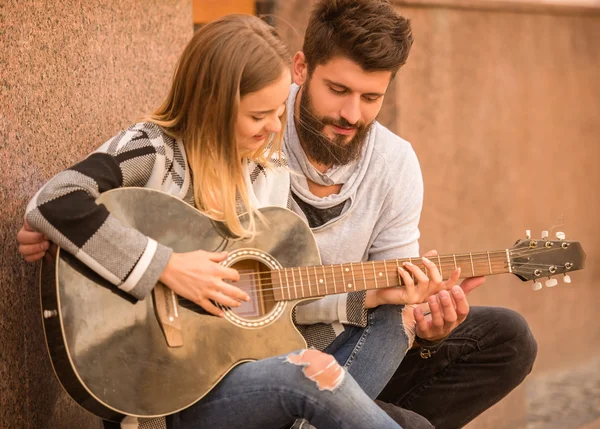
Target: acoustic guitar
119, 357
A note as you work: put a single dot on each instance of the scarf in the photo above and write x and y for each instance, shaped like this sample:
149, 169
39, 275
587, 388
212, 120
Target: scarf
350, 175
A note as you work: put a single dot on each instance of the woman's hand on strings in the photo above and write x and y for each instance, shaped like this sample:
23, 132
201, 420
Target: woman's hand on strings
199, 277
417, 286
196, 276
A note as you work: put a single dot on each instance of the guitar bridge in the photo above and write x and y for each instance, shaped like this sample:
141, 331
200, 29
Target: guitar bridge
167, 312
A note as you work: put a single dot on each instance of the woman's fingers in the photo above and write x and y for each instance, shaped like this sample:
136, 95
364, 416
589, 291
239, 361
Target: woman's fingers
27, 236
210, 307
232, 291
226, 273
216, 256
31, 249
32, 244
223, 299
33, 258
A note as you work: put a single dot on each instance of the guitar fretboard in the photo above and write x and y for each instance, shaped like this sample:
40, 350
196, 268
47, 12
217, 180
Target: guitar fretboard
320, 280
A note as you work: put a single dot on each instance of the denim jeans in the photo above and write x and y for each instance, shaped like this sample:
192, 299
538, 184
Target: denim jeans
448, 385
483, 359
372, 354
270, 392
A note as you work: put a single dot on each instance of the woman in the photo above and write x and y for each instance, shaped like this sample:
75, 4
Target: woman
224, 111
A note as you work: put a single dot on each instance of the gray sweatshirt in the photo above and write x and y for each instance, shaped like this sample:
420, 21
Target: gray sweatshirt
384, 196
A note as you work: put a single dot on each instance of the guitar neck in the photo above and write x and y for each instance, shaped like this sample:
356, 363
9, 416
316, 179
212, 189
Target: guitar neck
316, 281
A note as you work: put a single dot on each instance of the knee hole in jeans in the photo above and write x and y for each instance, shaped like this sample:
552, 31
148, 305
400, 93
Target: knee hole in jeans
319, 367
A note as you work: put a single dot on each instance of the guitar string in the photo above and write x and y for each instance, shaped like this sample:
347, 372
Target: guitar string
327, 291
479, 260
476, 257
298, 290
269, 302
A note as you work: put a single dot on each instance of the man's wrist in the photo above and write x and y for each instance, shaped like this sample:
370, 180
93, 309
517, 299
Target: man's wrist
425, 342
371, 300
427, 348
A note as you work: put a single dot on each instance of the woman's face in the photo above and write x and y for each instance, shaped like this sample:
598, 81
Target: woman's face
260, 114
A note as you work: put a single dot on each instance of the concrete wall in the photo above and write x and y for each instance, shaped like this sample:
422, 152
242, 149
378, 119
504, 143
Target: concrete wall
502, 105
504, 111
72, 74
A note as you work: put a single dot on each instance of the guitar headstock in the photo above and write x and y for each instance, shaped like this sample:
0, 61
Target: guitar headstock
541, 259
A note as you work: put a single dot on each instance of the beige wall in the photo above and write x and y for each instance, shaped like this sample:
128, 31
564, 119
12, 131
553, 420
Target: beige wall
72, 74
502, 106
504, 112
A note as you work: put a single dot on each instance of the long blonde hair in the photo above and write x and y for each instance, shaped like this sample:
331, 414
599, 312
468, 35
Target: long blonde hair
225, 60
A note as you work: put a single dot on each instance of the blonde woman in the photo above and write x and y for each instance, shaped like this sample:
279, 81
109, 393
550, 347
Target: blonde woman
225, 110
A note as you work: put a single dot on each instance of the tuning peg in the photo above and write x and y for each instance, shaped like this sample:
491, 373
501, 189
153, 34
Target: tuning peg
551, 282
536, 286
560, 235
528, 234
567, 278
544, 235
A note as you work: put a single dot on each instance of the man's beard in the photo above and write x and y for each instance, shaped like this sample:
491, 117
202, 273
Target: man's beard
320, 148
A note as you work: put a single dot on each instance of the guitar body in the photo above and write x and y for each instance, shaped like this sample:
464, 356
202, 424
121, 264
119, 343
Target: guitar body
109, 352
119, 357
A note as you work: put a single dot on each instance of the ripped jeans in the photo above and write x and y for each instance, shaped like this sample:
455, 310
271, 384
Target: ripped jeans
371, 354
270, 393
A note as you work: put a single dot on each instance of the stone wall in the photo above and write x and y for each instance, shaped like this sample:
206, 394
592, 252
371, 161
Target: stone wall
72, 74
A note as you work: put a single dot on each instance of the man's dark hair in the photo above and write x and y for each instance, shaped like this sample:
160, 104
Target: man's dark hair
368, 32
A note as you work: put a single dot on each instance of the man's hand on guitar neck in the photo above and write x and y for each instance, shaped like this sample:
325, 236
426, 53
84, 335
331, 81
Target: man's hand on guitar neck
446, 304
416, 287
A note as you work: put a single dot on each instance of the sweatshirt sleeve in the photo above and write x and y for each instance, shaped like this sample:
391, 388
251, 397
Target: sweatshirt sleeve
65, 210
395, 236
346, 308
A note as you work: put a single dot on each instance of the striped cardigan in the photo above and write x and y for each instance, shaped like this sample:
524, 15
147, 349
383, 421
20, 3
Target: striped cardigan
64, 209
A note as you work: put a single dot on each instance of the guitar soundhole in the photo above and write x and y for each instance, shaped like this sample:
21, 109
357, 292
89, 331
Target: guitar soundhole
255, 280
